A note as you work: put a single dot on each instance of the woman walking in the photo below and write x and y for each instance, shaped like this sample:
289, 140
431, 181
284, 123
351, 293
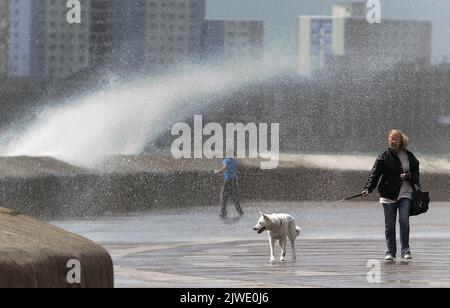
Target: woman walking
398, 170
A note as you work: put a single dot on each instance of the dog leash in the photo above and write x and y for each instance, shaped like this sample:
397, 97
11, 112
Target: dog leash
352, 197
314, 209
303, 213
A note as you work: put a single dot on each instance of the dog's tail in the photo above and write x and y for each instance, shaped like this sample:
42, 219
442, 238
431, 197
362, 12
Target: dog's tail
298, 230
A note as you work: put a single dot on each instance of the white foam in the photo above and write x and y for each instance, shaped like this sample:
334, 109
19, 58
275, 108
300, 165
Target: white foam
126, 118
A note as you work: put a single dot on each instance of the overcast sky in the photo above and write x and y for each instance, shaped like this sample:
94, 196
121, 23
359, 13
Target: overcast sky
280, 18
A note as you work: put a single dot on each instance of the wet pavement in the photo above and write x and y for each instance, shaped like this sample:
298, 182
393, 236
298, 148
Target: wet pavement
341, 245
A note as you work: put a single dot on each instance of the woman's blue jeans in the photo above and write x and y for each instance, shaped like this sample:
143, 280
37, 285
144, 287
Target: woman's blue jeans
390, 216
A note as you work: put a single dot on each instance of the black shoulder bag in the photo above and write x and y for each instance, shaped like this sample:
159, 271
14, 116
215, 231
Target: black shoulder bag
420, 201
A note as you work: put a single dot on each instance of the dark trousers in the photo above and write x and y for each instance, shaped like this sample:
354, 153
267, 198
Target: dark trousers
403, 206
230, 190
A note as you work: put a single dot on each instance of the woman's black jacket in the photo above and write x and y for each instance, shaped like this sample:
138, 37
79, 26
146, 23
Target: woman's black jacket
389, 168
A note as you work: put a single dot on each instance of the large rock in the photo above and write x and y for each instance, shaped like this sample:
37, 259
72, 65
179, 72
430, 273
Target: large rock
34, 254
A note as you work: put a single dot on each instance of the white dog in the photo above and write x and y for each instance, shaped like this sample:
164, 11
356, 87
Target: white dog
280, 227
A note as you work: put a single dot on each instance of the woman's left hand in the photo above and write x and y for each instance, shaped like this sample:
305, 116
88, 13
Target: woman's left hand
406, 176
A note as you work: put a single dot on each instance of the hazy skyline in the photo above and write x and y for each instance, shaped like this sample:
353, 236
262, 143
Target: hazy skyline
281, 18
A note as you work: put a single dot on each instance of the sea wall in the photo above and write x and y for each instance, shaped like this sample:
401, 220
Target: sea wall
48, 188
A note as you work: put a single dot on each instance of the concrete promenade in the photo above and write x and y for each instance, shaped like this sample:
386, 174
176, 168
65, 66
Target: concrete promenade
243, 264
193, 248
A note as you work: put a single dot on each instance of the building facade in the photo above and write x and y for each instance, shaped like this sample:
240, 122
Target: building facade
228, 39
4, 36
44, 44
380, 46
128, 34
316, 43
154, 34
19, 58
100, 32
65, 47
349, 42
174, 31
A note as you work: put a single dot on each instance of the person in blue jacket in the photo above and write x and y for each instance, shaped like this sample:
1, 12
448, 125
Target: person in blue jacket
230, 188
